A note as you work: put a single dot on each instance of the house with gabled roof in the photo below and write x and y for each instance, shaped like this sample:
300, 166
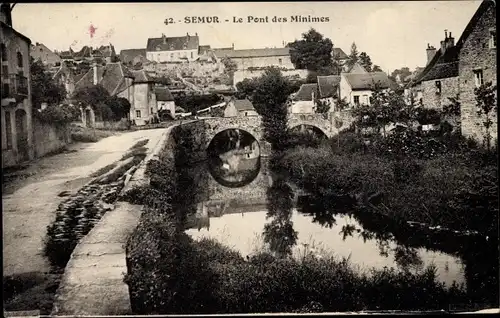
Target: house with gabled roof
165, 101
173, 49
239, 107
134, 85
358, 88
439, 80
42, 53
66, 76
132, 57
477, 64
304, 100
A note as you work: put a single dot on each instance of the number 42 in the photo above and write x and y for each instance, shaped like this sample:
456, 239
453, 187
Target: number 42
169, 21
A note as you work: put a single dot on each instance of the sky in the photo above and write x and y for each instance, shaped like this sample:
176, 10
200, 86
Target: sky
393, 33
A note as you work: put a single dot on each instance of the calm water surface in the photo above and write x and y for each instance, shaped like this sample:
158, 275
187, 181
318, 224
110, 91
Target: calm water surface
241, 229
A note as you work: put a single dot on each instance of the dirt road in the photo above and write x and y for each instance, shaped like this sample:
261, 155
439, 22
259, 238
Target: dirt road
29, 205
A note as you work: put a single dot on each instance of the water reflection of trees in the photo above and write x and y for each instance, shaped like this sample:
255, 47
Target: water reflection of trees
279, 233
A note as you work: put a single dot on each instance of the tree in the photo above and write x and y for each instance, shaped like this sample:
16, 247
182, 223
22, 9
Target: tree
322, 107
313, 52
119, 106
246, 88
230, 67
376, 68
353, 57
269, 99
486, 104
403, 73
365, 61
91, 96
44, 89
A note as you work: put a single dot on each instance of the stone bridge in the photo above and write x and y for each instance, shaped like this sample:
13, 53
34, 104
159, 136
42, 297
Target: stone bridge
253, 125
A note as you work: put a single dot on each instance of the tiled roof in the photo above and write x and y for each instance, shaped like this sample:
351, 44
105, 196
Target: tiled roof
190, 42
251, 52
105, 51
84, 52
127, 56
305, 92
24, 37
328, 85
111, 77
441, 66
163, 94
243, 105
140, 76
339, 53
483, 7
368, 81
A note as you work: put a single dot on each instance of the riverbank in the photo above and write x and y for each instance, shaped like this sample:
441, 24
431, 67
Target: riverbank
170, 273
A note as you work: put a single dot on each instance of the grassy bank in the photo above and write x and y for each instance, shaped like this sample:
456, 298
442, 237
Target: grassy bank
169, 273
81, 134
456, 189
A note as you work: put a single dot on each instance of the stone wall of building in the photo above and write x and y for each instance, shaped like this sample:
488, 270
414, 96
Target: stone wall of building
476, 54
430, 99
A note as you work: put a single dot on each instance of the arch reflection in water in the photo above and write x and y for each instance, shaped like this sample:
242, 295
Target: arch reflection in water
234, 158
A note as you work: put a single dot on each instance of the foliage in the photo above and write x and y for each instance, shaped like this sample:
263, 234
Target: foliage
195, 102
403, 73
312, 52
453, 108
80, 134
58, 114
376, 68
365, 61
322, 107
230, 66
269, 99
246, 88
163, 80
44, 89
91, 96
119, 106
486, 104
353, 56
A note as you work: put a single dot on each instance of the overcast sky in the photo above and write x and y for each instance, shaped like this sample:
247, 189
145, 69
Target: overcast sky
393, 33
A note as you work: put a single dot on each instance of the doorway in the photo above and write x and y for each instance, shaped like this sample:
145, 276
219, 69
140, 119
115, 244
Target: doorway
22, 135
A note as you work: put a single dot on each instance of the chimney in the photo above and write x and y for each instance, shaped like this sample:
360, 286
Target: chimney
232, 45
196, 34
95, 73
5, 13
443, 43
450, 41
431, 51
164, 38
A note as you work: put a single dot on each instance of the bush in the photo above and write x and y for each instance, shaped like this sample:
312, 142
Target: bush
80, 134
58, 114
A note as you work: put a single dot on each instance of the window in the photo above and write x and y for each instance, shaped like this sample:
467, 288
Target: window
138, 114
478, 77
171, 56
493, 39
365, 99
3, 48
5, 90
8, 130
246, 113
356, 100
438, 87
371, 100
19, 59
151, 110
280, 61
192, 56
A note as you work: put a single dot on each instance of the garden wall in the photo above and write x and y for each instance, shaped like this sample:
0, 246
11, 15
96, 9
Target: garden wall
123, 124
49, 138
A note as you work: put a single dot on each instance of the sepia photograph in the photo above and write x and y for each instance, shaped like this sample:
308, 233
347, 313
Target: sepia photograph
288, 157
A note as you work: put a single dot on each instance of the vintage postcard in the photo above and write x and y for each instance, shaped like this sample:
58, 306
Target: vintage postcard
255, 157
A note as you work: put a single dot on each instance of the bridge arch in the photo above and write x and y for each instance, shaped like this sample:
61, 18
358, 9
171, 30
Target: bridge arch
234, 157
309, 128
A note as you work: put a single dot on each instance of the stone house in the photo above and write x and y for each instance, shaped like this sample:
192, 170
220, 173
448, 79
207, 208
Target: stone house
358, 88
439, 80
257, 58
40, 52
239, 108
477, 64
304, 101
16, 107
136, 86
173, 49
165, 100
103, 54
